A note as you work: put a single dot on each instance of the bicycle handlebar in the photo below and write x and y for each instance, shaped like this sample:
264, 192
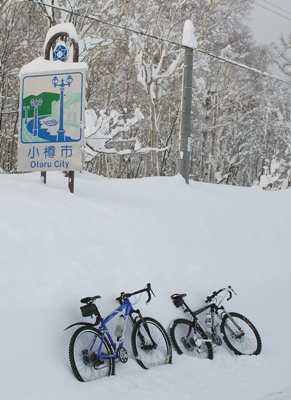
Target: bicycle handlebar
229, 289
147, 289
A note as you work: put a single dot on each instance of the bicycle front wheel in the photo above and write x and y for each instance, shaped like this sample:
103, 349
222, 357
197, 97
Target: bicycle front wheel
83, 347
186, 341
240, 335
151, 345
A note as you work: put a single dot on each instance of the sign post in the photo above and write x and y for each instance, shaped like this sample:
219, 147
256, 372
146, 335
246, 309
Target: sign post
52, 105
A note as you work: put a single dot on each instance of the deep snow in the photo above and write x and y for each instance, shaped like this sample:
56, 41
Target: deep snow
117, 235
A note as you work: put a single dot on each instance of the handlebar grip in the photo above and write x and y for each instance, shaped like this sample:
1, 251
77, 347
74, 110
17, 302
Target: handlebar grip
149, 297
120, 298
208, 299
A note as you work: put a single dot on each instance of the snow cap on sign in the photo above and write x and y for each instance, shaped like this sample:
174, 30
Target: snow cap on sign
67, 27
40, 65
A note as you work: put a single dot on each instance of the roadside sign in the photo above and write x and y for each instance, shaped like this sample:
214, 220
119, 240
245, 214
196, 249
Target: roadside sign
52, 104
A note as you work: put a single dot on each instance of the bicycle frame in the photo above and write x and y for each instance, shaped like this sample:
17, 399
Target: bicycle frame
232, 328
215, 311
125, 308
94, 350
213, 336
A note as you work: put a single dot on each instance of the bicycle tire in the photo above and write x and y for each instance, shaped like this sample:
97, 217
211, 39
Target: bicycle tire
145, 353
84, 365
181, 334
243, 341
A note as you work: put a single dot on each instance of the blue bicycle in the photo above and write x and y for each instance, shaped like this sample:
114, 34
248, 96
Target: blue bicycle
93, 351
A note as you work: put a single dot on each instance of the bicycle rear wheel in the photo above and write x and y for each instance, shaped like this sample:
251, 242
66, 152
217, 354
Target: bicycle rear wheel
151, 345
240, 335
184, 341
83, 346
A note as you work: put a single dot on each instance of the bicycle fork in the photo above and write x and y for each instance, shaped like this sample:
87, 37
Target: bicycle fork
236, 334
145, 345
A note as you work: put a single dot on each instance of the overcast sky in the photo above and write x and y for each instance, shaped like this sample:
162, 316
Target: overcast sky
271, 19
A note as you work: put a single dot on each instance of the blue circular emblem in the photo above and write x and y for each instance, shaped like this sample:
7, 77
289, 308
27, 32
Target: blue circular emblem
60, 53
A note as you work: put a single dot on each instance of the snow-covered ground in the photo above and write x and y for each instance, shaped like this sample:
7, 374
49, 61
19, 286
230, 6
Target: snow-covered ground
118, 235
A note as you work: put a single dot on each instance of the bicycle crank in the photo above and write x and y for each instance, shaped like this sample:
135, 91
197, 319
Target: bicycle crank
216, 339
122, 355
195, 342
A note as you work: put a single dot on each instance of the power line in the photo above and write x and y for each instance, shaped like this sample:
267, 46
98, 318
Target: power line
275, 6
272, 11
240, 65
224, 59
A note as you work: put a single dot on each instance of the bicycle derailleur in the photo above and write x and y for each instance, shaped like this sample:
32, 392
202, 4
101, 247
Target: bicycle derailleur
90, 359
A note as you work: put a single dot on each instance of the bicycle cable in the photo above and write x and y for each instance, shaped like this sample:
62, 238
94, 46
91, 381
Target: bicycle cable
136, 301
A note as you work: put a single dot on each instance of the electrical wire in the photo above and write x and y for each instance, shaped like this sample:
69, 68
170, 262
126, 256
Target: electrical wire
275, 6
272, 11
224, 59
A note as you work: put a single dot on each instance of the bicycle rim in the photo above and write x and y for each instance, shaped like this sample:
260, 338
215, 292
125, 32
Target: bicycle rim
240, 335
146, 354
184, 341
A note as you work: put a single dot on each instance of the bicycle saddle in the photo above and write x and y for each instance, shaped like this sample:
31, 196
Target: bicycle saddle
178, 295
86, 300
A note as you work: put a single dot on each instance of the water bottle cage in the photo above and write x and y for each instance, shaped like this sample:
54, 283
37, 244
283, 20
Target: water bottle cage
208, 320
119, 327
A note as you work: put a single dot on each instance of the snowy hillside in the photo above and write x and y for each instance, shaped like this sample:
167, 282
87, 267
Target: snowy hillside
118, 235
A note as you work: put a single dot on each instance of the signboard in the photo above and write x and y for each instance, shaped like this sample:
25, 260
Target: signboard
52, 104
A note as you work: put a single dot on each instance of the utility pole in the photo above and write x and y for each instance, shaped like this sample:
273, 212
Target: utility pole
189, 42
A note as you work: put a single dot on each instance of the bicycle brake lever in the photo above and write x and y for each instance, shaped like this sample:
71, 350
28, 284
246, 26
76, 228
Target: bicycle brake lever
233, 291
230, 291
149, 291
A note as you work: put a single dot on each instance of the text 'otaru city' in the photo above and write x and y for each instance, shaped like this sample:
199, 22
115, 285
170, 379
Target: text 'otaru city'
49, 164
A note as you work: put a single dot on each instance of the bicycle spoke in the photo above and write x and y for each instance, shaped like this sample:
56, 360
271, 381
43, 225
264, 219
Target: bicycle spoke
185, 340
151, 345
84, 345
240, 335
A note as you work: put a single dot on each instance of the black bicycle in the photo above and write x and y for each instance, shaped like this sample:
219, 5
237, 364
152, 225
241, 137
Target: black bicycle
194, 338
93, 350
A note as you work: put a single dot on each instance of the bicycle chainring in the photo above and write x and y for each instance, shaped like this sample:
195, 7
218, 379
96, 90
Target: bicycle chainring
216, 339
122, 355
